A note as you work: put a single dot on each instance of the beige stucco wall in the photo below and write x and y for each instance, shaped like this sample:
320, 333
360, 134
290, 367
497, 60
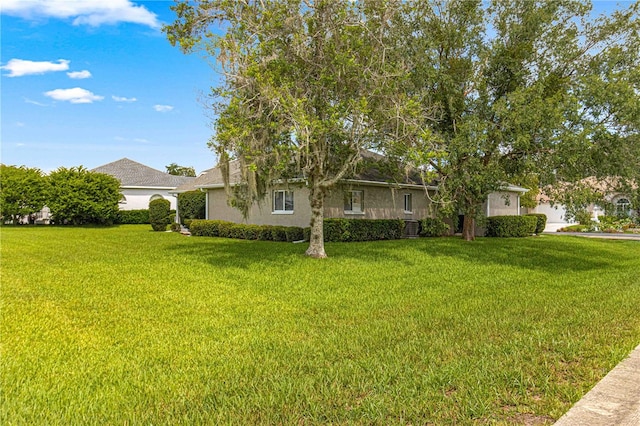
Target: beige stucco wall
499, 205
261, 214
379, 203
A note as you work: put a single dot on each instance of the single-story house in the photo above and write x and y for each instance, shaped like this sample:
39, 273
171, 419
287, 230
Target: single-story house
617, 202
367, 195
140, 184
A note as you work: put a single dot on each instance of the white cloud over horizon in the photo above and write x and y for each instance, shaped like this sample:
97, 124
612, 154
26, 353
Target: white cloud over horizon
76, 95
22, 67
79, 74
84, 12
123, 99
163, 108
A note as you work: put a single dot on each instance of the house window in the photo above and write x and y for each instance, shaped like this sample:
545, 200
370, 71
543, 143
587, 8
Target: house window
283, 202
156, 197
353, 202
623, 207
408, 204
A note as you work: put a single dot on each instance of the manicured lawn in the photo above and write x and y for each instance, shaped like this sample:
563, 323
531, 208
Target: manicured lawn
127, 326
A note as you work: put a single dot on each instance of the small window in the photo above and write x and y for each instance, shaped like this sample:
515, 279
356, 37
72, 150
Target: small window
353, 202
408, 203
283, 201
156, 197
623, 207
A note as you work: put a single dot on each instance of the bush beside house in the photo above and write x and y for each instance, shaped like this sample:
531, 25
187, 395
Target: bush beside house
511, 226
541, 222
159, 211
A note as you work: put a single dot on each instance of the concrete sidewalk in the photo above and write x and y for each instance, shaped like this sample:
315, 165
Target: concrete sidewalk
615, 400
608, 236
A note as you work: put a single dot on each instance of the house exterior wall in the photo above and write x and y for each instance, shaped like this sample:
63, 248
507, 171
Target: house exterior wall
378, 203
138, 198
504, 203
261, 213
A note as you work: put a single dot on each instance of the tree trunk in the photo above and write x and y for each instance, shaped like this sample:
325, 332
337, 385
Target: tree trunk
469, 227
316, 243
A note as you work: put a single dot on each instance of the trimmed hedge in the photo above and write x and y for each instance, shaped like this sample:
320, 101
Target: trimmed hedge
350, 230
511, 226
159, 211
335, 230
433, 227
133, 217
220, 228
542, 221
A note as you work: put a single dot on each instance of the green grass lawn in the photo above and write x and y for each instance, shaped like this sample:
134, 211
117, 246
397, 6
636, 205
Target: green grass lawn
126, 326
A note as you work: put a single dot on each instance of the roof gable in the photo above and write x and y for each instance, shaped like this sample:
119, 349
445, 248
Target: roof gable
132, 173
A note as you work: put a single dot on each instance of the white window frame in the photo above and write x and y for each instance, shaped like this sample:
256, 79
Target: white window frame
349, 202
282, 209
623, 203
408, 197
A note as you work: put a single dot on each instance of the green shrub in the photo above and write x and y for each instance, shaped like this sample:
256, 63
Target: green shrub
542, 221
345, 230
583, 217
133, 217
175, 227
511, 226
294, 233
433, 227
191, 205
205, 228
187, 222
159, 211
574, 228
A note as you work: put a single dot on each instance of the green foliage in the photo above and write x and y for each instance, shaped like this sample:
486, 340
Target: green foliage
518, 91
576, 228
614, 224
541, 222
175, 227
192, 205
583, 217
511, 226
159, 211
433, 227
133, 217
174, 169
78, 196
220, 228
302, 84
349, 230
22, 191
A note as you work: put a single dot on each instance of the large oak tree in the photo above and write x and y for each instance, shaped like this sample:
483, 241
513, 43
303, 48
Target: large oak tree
520, 89
302, 80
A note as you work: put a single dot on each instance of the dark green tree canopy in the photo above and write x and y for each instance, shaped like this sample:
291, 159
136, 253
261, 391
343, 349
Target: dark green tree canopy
23, 191
78, 196
176, 170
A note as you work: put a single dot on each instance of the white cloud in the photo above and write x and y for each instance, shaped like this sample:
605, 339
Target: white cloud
76, 95
79, 74
19, 124
122, 99
163, 108
140, 140
20, 67
84, 12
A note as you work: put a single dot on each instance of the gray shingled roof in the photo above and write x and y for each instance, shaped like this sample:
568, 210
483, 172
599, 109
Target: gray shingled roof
370, 173
132, 173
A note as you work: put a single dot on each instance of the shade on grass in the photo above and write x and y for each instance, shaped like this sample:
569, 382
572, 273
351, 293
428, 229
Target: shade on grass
124, 325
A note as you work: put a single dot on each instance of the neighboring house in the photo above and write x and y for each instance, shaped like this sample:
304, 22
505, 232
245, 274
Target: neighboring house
140, 184
618, 203
368, 195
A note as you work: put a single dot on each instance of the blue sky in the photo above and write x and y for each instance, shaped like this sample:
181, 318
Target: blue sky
89, 82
